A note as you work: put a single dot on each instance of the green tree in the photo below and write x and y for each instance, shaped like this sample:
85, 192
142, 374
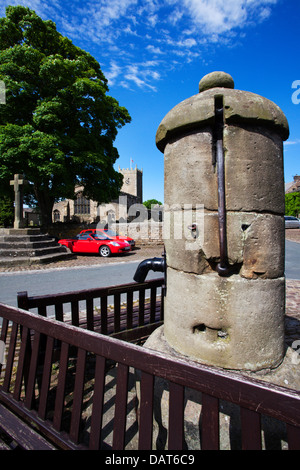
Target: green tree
292, 204
6, 211
58, 125
151, 202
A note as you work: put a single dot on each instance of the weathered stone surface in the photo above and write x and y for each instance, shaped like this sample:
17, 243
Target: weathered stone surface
28, 246
17, 183
256, 242
264, 248
184, 247
190, 177
253, 171
241, 107
246, 108
236, 321
254, 176
216, 79
196, 112
232, 322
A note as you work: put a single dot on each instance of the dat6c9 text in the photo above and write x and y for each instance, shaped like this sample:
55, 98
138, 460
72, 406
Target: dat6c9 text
168, 459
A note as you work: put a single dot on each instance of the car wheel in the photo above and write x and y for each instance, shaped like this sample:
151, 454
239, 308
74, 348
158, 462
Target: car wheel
104, 251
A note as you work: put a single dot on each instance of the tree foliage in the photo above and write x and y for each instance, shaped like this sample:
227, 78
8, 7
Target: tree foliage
151, 202
292, 204
58, 125
6, 211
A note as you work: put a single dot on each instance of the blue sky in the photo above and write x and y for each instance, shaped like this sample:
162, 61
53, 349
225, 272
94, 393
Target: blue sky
154, 53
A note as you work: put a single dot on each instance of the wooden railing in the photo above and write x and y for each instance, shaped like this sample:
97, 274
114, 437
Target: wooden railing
128, 311
101, 392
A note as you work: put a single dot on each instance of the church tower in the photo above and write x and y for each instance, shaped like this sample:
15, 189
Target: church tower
133, 183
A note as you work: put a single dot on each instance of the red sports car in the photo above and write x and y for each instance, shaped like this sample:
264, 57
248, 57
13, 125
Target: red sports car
111, 234
95, 243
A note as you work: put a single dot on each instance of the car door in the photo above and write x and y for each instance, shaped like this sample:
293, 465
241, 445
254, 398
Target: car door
291, 222
84, 244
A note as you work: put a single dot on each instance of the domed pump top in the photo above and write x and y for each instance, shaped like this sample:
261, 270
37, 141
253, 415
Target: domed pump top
240, 107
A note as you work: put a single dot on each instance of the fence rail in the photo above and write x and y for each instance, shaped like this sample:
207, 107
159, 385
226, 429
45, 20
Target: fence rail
68, 401
128, 311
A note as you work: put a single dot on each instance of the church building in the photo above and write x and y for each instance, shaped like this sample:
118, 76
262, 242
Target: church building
86, 210
294, 186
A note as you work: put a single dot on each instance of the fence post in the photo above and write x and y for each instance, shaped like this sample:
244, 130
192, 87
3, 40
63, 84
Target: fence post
22, 298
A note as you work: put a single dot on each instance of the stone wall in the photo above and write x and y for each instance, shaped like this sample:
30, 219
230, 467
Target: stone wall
144, 233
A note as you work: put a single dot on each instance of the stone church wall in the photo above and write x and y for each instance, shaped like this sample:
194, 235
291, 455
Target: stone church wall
83, 210
144, 233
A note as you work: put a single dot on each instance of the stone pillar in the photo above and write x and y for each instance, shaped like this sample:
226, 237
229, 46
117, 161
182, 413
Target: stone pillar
233, 320
17, 183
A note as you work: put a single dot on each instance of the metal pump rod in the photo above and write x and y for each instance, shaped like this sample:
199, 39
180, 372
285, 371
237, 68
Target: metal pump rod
222, 267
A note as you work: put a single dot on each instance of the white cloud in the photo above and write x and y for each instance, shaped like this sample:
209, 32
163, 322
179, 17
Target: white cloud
187, 43
292, 142
108, 11
153, 20
133, 77
129, 33
219, 16
175, 16
150, 63
113, 73
142, 76
43, 9
154, 50
128, 30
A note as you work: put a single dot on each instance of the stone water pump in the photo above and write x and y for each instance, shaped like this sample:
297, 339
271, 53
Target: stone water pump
225, 291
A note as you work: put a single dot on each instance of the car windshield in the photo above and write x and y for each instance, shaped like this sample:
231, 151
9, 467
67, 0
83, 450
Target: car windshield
111, 233
100, 236
83, 236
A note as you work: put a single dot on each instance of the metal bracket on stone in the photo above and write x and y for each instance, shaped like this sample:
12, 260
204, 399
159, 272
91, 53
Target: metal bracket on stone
223, 267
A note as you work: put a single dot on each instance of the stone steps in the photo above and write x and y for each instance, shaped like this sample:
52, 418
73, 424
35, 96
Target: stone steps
28, 261
21, 244
29, 246
30, 251
25, 238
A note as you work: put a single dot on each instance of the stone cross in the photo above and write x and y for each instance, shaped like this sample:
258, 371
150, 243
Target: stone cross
18, 182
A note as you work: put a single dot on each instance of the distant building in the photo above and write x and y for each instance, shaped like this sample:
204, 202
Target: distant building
31, 216
294, 186
86, 210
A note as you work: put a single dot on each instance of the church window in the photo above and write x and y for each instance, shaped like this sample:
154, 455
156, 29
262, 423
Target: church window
81, 205
56, 215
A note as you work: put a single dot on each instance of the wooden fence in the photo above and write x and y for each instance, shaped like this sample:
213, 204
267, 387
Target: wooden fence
129, 311
100, 392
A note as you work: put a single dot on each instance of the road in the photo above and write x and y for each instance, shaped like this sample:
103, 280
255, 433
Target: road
52, 281
292, 260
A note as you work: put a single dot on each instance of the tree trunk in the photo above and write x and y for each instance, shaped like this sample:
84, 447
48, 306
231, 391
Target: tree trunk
45, 203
